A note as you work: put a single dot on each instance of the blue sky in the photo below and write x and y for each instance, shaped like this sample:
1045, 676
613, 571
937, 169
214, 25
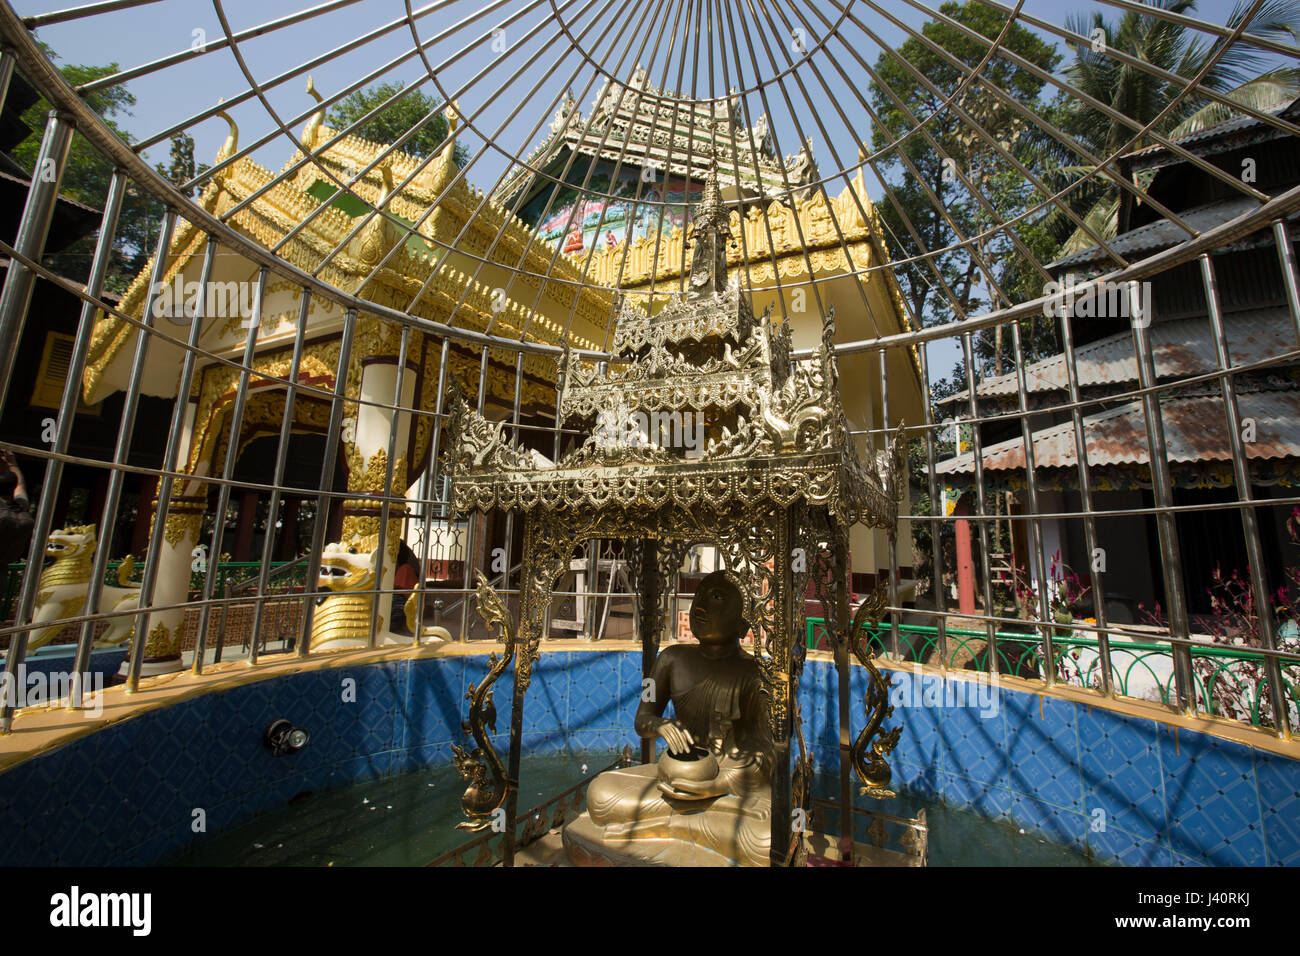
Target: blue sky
501, 106
134, 36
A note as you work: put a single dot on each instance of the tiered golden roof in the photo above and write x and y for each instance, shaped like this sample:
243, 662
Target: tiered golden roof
283, 204
640, 126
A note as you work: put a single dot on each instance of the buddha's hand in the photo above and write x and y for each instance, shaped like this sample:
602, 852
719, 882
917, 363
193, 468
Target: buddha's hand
676, 736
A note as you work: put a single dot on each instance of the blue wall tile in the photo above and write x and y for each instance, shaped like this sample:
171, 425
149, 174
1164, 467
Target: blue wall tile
1043, 749
432, 708
1279, 796
919, 741
546, 705
1117, 846
973, 744
1212, 799
967, 794
1195, 799
921, 779
1055, 823
126, 794
1121, 772
597, 694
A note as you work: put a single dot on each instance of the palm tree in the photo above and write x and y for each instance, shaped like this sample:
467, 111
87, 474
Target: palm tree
1241, 73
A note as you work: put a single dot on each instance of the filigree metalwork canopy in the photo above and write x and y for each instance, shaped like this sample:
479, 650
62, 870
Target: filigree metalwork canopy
770, 470
774, 431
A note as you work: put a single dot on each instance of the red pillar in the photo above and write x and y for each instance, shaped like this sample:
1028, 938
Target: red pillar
143, 514
244, 529
288, 545
95, 510
965, 564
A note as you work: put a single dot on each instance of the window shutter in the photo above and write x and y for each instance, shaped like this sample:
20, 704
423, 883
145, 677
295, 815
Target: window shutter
53, 374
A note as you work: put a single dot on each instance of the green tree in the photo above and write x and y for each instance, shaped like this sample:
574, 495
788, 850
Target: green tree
182, 169
1237, 71
394, 120
951, 184
86, 178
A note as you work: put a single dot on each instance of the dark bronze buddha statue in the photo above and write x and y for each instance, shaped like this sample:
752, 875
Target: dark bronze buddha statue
707, 800
715, 690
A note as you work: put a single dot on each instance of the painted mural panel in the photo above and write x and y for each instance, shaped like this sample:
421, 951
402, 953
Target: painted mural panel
600, 216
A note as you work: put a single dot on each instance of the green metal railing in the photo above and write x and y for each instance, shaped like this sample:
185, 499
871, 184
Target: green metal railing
1230, 682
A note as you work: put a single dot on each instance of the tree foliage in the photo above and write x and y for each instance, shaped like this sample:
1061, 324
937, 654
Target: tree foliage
86, 178
387, 126
926, 165
1237, 71
959, 176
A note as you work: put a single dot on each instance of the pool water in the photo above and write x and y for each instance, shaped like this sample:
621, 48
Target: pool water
404, 820
959, 837
409, 819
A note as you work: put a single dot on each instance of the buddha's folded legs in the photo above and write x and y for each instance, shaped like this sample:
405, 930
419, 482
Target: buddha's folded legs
630, 810
624, 795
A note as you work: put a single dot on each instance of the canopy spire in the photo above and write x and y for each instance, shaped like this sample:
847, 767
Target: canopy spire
710, 231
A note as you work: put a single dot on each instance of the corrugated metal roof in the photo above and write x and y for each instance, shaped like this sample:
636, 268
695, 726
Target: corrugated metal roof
1230, 125
1195, 430
1162, 233
1180, 348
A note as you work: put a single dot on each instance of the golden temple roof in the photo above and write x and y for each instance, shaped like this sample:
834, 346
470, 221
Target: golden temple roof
640, 125
283, 203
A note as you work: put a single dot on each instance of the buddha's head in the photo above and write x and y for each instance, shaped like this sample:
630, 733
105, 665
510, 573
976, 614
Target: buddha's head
717, 611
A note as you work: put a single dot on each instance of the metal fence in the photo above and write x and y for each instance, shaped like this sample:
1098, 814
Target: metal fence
1228, 682
233, 573
1187, 670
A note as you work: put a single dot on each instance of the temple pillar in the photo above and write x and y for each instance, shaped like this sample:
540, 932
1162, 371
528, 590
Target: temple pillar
184, 523
334, 519
287, 547
367, 458
144, 514
965, 566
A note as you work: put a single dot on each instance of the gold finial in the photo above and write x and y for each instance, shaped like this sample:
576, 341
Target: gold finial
386, 174
231, 145
377, 237
709, 212
314, 123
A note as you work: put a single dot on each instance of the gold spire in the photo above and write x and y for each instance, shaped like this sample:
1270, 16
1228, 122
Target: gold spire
314, 123
231, 145
709, 213
710, 231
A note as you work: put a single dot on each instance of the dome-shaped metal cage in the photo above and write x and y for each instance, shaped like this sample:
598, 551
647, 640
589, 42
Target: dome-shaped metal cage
245, 267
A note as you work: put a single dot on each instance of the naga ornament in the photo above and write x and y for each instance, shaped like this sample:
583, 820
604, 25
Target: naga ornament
872, 745
482, 766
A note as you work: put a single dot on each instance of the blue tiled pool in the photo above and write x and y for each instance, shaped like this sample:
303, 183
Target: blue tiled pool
1121, 788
